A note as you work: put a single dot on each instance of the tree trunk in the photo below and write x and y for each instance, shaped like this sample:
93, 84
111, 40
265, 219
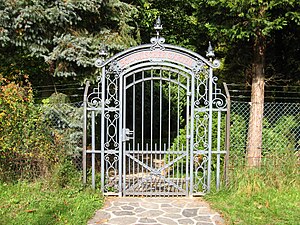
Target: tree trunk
254, 145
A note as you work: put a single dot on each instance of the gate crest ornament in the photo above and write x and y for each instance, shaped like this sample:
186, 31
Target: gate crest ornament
153, 125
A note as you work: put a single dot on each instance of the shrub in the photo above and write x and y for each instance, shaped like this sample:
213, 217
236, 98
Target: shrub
27, 148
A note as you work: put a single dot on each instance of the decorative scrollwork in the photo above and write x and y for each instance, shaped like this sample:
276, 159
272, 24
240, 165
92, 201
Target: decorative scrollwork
157, 43
199, 67
111, 173
216, 63
98, 62
94, 99
114, 68
219, 100
200, 169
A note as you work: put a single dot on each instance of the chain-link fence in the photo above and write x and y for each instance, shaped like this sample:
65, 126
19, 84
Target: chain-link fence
66, 123
280, 136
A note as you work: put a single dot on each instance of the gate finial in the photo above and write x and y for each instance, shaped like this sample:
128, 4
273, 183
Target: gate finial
158, 26
157, 42
210, 51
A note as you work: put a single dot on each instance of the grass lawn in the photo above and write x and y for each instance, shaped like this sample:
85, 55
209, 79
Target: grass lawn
267, 206
39, 203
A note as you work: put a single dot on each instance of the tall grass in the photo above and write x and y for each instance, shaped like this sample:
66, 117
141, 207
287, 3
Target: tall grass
266, 195
57, 199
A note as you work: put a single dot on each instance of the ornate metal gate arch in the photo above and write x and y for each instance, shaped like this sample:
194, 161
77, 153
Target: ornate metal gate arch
153, 125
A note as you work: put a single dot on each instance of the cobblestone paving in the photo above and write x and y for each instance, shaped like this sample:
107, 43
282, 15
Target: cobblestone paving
156, 211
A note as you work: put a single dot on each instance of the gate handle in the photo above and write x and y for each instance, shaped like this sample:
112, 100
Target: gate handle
127, 134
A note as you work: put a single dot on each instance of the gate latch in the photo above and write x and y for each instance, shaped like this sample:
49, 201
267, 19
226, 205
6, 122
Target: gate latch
127, 134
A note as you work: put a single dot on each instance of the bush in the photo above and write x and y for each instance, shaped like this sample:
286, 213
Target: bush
27, 148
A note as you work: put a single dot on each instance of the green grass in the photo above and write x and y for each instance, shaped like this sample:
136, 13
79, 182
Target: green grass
43, 203
266, 196
268, 206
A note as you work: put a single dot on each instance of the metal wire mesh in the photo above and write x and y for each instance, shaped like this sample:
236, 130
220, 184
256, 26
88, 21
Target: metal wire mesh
281, 129
66, 123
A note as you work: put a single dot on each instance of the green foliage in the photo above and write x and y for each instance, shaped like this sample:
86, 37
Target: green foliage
65, 36
65, 122
232, 26
24, 140
42, 203
65, 174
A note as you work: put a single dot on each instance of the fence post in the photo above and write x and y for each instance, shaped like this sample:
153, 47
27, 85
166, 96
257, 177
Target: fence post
227, 134
84, 131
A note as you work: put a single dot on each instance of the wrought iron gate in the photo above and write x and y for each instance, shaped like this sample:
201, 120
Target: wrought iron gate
154, 125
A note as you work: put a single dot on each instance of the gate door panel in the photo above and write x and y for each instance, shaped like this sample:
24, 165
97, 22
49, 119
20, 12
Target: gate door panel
156, 113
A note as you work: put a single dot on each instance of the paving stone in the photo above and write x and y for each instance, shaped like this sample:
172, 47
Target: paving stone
119, 203
204, 211
160, 200
164, 220
139, 210
134, 204
149, 205
113, 208
190, 212
197, 204
203, 218
172, 210
173, 216
186, 221
127, 207
218, 219
165, 206
123, 213
151, 213
147, 220
127, 200
123, 220
179, 203
204, 223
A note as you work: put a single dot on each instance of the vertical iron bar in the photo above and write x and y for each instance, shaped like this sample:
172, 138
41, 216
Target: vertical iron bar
143, 106
218, 151
227, 135
84, 132
169, 109
157, 162
102, 139
178, 110
122, 145
210, 99
160, 111
133, 112
138, 165
93, 150
166, 170
191, 155
188, 136
151, 109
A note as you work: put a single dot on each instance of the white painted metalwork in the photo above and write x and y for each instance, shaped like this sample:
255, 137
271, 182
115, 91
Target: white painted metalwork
154, 123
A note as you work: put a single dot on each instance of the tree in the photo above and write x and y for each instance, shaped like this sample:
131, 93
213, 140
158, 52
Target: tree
62, 37
250, 23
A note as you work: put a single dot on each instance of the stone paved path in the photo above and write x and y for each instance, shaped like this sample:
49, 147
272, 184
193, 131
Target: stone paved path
156, 211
